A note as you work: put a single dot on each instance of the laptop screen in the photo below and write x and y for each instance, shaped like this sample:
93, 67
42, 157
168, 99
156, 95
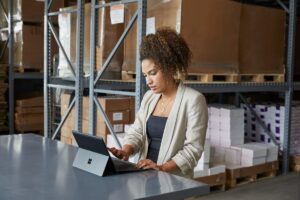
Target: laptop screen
91, 143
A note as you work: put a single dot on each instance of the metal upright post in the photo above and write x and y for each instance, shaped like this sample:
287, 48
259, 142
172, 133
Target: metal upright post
11, 69
47, 92
92, 72
140, 87
79, 64
290, 76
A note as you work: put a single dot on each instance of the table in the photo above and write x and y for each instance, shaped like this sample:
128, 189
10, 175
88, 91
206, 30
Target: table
34, 167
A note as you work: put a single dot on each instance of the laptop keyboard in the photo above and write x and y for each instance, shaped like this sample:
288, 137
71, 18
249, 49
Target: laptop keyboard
121, 165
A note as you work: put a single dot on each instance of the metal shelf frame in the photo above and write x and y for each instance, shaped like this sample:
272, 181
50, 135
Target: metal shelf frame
75, 83
94, 83
97, 85
292, 13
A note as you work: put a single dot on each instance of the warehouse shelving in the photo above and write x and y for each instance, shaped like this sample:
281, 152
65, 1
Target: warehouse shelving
92, 82
75, 83
138, 88
12, 75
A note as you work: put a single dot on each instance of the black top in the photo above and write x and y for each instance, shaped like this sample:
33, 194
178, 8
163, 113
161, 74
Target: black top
155, 129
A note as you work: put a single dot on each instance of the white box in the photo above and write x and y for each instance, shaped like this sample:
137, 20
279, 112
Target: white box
215, 133
214, 123
201, 166
231, 142
205, 157
215, 142
231, 112
272, 157
250, 161
218, 156
271, 149
215, 111
237, 125
200, 173
207, 135
252, 151
216, 170
233, 156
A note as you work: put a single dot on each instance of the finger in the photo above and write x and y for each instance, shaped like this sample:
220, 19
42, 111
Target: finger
141, 164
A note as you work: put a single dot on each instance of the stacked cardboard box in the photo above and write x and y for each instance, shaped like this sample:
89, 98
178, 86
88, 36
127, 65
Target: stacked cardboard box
205, 166
226, 133
225, 129
225, 126
29, 114
254, 47
28, 43
295, 133
3, 102
273, 117
106, 38
30, 10
297, 50
207, 38
117, 110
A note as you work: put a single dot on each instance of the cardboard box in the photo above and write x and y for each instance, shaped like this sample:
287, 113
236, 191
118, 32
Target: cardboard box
115, 103
233, 156
106, 38
110, 105
262, 40
200, 173
216, 170
231, 142
205, 157
231, 112
132, 103
31, 102
26, 125
252, 151
103, 130
29, 10
66, 140
297, 49
218, 155
117, 116
209, 40
251, 161
202, 167
272, 151
28, 46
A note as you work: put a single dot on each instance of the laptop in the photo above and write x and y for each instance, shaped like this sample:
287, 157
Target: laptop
96, 145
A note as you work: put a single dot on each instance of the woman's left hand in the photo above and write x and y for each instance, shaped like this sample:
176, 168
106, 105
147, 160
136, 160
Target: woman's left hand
148, 164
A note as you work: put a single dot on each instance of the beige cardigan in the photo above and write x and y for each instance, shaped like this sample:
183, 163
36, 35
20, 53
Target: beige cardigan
184, 134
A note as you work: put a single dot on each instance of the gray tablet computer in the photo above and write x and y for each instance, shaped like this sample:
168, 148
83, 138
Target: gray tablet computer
88, 159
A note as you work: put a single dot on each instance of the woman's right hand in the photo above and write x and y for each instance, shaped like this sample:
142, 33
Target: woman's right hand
119, 153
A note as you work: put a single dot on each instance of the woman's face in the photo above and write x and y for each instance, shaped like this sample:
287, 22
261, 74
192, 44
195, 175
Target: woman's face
155, 78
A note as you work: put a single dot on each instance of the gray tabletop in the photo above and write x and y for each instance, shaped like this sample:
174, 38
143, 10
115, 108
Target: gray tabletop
33, 167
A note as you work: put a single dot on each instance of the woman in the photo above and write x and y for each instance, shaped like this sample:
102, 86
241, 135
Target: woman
170, 126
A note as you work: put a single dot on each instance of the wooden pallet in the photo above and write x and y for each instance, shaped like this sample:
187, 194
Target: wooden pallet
23, 70
295, 163
211, 78
261, 78
244, 175
216, 182
128, 75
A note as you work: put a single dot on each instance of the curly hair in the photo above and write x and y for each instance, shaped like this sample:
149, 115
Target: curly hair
168, 50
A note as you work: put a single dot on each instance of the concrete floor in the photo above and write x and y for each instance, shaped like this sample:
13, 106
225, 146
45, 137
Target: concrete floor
284, 187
